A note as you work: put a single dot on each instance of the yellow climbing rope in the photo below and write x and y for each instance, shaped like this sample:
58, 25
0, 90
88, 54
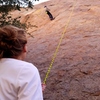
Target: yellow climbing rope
56, 51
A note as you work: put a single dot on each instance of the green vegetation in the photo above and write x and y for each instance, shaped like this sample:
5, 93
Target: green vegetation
8, 5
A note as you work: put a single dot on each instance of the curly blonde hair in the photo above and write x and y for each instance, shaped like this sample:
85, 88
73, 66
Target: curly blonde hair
12, 41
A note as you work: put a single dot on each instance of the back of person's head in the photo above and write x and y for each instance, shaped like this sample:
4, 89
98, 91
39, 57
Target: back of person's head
12, 41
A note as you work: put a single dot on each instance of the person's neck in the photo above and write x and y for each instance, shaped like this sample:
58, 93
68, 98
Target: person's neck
21, 57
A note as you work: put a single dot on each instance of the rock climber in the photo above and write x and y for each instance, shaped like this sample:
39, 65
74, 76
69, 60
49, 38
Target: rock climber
48, 13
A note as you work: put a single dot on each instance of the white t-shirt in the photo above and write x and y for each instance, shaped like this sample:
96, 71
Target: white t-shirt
19, 80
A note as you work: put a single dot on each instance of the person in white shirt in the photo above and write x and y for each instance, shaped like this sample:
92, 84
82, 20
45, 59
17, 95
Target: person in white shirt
19, 80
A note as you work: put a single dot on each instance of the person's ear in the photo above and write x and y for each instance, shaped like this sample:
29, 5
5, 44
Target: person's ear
25, 48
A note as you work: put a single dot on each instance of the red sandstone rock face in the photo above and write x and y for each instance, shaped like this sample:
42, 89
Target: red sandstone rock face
75, 74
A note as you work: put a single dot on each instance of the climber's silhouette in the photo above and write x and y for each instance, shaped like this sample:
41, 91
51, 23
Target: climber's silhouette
18, 7
30, 4
48, 12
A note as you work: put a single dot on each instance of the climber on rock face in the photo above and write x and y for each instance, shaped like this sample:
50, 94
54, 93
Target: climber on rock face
30, 4
48, 12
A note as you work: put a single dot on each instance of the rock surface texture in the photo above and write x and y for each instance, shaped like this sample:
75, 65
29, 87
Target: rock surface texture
75, 73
